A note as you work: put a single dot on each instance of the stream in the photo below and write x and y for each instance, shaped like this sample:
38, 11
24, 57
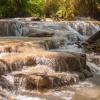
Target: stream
62, 41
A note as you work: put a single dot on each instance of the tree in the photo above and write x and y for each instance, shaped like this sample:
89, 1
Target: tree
86, 8
14, 8
49, 8
36, 7
71, 8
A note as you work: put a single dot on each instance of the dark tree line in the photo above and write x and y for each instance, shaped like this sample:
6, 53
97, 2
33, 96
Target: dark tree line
49, 8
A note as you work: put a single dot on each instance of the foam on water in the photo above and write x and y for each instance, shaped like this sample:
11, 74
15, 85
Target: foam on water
94, 68
10, 78
20, 97
80, 85
59, 29
70, 48
67, 95
84, 28
74, 48
2, 54
63, 93
45, 61
44, 67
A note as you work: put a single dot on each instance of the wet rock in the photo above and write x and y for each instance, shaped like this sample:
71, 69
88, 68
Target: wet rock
52, 43
4, 83
58, 61
44, 34
85, 28
94, 59
92, 44
81, 76
9, 48
36, 19
3, 96
4, 67
93, 62
43, 69
61, 61
46, 79
51, 59
51, 29
39, 33
87, 73
39, 80
94, 38
13, 28
30, 60
94, 68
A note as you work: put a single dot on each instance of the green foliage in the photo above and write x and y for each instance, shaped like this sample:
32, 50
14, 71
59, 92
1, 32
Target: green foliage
71, 8
36, 7
66, 9
14, 8
97, 2
48, 8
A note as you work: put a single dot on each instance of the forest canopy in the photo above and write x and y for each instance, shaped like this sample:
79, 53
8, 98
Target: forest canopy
49, 8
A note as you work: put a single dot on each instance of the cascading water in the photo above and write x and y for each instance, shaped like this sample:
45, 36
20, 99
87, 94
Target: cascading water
84, 28
66, 34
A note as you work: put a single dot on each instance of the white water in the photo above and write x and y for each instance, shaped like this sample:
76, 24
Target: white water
85, 28
62, 93
20, 97
65, 92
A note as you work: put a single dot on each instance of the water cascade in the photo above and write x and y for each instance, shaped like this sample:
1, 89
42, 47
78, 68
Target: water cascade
47, 62
85, 28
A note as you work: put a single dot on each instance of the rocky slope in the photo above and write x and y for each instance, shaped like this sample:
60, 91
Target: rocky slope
40, 58
39, 67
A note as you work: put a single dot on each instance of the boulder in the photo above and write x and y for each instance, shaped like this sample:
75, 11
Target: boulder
92, 44
87, 73
39, 33
35, 19
94, 38
81, 76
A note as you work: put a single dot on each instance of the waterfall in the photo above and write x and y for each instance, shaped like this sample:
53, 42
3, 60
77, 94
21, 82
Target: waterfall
48, 63
12, 28
84, 28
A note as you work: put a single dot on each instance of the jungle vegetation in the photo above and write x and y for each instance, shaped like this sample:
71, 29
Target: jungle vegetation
49, 8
